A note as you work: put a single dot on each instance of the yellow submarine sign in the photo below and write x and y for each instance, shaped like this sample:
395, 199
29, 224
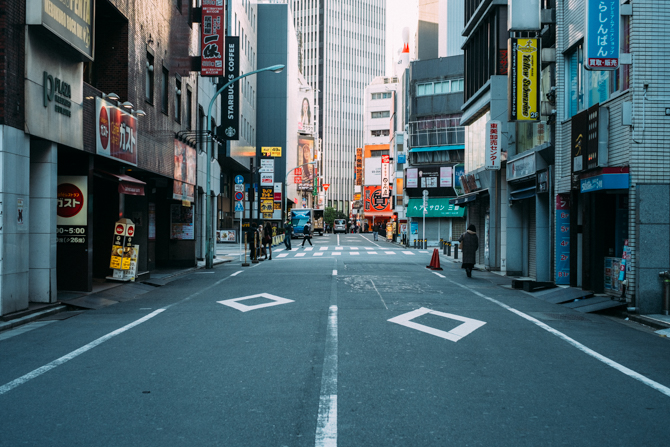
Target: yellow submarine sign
524, 80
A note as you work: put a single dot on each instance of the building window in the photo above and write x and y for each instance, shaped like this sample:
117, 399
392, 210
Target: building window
382, 95
383, 114
378, 153
439, 87
177, 101
149, 79
189, 105
164, 90
585, 88
380, 133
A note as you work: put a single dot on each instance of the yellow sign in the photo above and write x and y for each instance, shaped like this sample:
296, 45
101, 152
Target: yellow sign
267, 206
117, 257
271, 151
525, 80
357, 196
277, 206
267, 215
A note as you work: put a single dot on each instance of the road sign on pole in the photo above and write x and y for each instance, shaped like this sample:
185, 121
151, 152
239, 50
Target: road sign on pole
239, 195
239, 207
239, 179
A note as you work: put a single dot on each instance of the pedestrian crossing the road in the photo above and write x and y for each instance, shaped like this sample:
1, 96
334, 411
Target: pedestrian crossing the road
342, 251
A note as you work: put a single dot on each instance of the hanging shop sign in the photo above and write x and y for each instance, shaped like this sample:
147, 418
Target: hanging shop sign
115, 132
374, 202
231, 104
71, 21
602, 35
579, 140
386, 173
523, 15
563, 239
524, 80
359, 167
212, 39
412, 178
183, 186
305, 156
446, 177
492, 161
459, 170
72, 209
271, 151
267, 166
521, 167
267, 179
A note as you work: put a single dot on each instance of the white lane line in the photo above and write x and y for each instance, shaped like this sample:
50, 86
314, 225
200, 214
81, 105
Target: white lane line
300, 254
354, 253
283, 255
441, 276
337, 253
326, 423
372, 242
408, 252
609, 362
318, 254
334, 272
338, 239
237, 273
380, 295
424, 252
66, 358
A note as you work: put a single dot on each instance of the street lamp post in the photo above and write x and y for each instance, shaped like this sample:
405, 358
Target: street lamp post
286, 187
209, 255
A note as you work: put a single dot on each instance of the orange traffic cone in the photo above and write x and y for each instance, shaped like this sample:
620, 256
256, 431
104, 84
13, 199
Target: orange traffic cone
435, 261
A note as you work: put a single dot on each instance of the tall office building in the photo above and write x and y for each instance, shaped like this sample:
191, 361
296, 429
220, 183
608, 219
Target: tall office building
343, 46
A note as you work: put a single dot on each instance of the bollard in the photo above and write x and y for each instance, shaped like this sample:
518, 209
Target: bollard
444, 247
425, 244
665, 276
415, 243
456, 251
449, 248
245, 264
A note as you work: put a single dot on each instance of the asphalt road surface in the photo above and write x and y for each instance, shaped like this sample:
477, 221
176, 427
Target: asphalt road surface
347, 343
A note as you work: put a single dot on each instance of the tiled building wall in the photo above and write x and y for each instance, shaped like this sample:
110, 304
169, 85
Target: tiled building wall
12, 62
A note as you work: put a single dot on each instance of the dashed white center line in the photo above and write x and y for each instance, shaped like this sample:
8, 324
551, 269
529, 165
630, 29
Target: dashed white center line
237, 273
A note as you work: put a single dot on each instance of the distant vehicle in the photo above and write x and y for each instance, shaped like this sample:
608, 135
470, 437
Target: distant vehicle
299, 218
340, 226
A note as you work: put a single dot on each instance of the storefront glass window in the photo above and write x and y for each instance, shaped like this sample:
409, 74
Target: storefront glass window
586, 88
475, 145
530, 135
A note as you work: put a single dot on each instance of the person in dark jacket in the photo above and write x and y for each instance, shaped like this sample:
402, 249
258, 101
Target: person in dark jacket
307, 232
288, 232
251, 240
267, 240
469, 244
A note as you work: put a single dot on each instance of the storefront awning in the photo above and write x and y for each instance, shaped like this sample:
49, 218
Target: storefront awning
435, 208
524, 193
452, 147
604, 181
127, 184
464, 200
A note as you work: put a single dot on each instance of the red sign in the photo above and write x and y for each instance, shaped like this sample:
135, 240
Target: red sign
374, 203
326, 186
385, 158
211, 39
277, 197
119, 229
116, 132
131, 230
239, 195
70, 200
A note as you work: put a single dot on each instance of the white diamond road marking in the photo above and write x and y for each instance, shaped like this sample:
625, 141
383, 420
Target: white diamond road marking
300, 254
283, 255
335, 253
354, 253
469, 325
408, 252
389, 252
235, 302
318, 254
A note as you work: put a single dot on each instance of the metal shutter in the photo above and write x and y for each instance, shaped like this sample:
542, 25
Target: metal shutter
532, 266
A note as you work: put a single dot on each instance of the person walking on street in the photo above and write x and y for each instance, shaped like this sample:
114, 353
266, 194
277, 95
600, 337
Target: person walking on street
288, 232
267, 240
375, 232
259, 243
251, 240
307, 229
470, 243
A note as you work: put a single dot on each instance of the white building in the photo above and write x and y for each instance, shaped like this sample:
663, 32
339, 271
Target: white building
343, 49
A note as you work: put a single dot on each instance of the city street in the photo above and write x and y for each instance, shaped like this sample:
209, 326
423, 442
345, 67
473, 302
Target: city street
350, 342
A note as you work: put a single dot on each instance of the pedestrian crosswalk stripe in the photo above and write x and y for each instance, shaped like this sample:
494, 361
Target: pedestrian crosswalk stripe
368, 248
372, 252
339, 248
355, 253
300, 254
283, 255
389, 252
318, 254
335, 253
424, 252
408, 252
354, 248
309, 249
323, 248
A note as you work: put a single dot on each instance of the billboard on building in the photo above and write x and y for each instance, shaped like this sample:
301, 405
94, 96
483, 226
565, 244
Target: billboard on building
602, 35
359, 166
306, 155
183, 187
524, 80
115, 132
374, 202
71, 21
306, 117
373, 171
212, 39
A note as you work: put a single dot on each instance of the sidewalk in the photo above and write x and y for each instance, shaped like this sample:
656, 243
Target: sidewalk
104, 293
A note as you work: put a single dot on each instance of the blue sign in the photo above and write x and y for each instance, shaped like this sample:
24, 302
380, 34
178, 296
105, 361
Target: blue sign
239, 207
401, 158
602, 35
604, 181
414, 227
459, 170
239, 179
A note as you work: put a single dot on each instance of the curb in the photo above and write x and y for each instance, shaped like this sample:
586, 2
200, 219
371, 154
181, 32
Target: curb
31, 317
648, 321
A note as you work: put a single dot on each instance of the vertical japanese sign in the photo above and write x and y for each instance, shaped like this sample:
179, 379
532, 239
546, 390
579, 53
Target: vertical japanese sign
492, 145
183, 187
602, 35
359, 166
524, 80
72, 211
562, 239
212, 38
386, 186
231, 97
115, 132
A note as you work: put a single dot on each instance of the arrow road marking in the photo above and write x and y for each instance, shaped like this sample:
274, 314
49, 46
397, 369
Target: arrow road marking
469, 325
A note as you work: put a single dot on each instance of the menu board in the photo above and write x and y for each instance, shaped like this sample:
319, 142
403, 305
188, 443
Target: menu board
181, 223
612, 273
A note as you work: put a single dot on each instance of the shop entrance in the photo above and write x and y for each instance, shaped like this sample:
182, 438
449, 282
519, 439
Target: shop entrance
105, 215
